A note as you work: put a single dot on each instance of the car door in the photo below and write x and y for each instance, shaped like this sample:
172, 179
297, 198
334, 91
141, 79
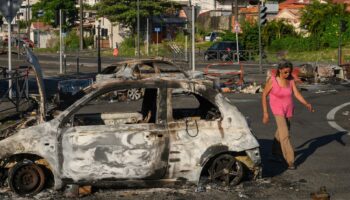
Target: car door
194, 124
116, 140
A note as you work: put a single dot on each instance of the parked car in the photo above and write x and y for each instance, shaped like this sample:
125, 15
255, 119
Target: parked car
212, 36
225, 50
168, 135
22, 41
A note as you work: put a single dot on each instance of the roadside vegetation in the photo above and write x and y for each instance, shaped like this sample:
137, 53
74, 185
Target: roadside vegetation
316, 40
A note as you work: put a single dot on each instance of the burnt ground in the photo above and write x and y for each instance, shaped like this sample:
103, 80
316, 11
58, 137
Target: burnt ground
268, 188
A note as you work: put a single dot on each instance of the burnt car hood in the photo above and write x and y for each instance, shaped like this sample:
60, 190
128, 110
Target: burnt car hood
39, 140
34, 63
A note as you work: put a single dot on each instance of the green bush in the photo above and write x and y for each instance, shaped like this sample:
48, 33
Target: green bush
294, 44
72, 41
128, 43
88, 41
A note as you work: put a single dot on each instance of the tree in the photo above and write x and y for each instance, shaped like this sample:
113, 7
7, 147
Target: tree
50, 9
125, 11
322, 21
276, 29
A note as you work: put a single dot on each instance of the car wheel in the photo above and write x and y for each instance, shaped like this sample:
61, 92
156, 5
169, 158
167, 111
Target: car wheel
26, 178
226, 170
206, 57
134, 94
224, 57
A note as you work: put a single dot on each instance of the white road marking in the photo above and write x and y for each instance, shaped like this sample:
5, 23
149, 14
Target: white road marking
331, 117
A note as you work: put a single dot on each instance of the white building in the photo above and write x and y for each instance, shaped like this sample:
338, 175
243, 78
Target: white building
25, 12
90, 2
114, 33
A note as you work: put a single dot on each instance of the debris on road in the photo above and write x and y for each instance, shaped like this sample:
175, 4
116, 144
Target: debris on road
322, 194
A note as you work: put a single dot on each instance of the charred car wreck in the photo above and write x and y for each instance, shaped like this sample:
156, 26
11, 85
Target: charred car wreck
179, 130
68, 90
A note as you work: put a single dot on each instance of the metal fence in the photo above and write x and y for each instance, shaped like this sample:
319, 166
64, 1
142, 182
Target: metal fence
17, 92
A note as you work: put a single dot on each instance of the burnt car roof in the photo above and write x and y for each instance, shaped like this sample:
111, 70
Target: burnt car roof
207, 88
146, 60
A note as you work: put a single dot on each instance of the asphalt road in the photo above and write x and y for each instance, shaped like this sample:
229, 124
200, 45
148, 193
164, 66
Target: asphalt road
321, 151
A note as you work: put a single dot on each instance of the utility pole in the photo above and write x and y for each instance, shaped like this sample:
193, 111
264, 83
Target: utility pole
61, 42
339, 46
236, 30
186, 41
81, 25
147, 36
99, 47
28, 19
9, 4
193, 39
342, 29
138, 29
262, 9
260, 48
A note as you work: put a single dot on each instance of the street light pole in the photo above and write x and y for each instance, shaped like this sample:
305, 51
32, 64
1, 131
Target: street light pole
28, 16
193, 40
61, 49
99, 47
260, 48
339, 44
9, 4
81, 24
138, 29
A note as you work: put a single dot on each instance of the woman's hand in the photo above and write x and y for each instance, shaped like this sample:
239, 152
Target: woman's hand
265, 118
309, 107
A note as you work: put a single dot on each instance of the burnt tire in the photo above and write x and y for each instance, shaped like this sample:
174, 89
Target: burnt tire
26, 179
226, 170
134, 94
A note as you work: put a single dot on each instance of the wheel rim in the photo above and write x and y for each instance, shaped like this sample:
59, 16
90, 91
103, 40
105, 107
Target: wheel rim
27, 179
226, 170
224, 57
134, 94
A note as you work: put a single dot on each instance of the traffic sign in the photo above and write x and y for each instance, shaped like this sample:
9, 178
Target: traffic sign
9, 8
157, 29
237, 27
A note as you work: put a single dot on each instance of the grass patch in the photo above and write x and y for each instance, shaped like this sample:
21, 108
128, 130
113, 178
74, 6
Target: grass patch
325, 56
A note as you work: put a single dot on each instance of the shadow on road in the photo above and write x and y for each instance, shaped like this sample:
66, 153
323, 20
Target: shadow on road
302, 152
306, 149
270, 169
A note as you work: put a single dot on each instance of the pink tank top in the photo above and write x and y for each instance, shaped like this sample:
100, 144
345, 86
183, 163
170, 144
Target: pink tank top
281, 100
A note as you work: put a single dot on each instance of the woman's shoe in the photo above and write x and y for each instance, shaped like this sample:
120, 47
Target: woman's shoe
291, 167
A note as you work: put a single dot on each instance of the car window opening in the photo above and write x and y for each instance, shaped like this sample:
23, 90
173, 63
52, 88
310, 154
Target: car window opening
194, 106
112, 109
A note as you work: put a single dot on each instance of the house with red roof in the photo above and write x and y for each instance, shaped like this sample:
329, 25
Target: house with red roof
41, 34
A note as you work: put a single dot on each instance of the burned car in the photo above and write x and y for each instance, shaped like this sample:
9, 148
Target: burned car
124, 70
139, 69
193, 135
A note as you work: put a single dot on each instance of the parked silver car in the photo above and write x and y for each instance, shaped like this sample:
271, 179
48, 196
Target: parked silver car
189, 135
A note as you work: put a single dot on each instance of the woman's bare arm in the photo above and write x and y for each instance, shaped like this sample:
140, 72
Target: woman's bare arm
300, 98
265, 93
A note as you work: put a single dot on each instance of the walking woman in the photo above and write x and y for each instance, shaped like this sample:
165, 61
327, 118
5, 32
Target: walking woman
280, 88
